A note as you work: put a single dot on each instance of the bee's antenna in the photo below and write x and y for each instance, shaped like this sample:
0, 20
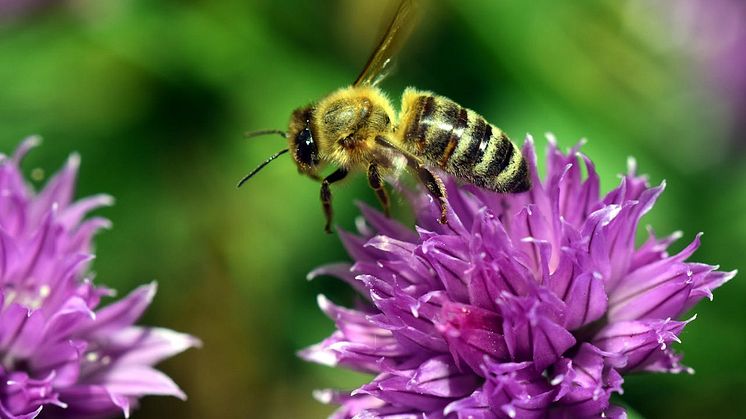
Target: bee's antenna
261, 166
257, 133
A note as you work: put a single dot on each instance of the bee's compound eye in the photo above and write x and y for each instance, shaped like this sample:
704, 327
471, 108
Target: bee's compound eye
307, 152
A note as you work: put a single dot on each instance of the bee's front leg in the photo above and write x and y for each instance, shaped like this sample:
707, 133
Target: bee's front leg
326, 195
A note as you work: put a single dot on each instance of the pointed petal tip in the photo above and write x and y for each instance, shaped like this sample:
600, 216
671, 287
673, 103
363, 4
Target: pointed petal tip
361, 225
195, 342
179, 394
73, 161
151, 288
318, 355
450, 408
27, 144
322, 396
333, 270
178, 340
145, 292
631, 165
121, 402
360, 391
104, 200
323, 302
33, 140
37, 412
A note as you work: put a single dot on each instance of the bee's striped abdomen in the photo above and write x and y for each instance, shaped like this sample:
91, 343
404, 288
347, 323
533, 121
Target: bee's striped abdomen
462, 143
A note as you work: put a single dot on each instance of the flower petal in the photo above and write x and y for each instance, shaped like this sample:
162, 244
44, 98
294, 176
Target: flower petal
123, 313
644, 343
136, 381
148, 345
440, 377
586, 301
531, 333
473, 334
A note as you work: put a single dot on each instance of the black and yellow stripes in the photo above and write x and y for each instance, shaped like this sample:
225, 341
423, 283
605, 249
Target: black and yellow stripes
461, 142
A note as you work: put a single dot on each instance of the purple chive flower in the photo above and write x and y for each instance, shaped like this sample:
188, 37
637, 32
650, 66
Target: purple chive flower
60, 354
532, 305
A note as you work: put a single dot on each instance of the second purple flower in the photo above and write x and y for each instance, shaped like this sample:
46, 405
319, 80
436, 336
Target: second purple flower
61, 354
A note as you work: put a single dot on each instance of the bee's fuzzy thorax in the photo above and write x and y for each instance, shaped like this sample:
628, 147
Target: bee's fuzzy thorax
346, 124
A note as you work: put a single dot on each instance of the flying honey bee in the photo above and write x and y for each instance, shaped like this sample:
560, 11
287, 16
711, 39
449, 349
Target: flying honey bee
356, 129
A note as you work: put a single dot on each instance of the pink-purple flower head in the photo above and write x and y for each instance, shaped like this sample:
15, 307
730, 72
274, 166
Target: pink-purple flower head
531, 305
60, 354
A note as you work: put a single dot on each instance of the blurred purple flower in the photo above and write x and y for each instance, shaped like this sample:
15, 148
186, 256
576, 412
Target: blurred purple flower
713, 34
16, 8
60, 356
530, 305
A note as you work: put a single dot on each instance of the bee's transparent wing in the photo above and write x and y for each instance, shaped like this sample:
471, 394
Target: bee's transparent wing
379, 62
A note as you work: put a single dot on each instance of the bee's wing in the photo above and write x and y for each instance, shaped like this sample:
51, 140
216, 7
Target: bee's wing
391, 42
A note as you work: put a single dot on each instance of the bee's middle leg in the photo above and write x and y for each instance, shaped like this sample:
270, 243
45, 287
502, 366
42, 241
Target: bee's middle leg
376, 182
326, 195
432, 182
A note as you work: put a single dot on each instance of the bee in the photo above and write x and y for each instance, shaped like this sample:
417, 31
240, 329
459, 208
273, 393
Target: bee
356, 129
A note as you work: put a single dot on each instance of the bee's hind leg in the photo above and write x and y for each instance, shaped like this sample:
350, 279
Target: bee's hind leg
376, 182
436, 188
326, 195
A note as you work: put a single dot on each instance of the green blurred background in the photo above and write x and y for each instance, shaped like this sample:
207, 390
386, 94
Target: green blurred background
155, 95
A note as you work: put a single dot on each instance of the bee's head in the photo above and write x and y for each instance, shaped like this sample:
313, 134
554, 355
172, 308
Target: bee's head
301, 144
303, 147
